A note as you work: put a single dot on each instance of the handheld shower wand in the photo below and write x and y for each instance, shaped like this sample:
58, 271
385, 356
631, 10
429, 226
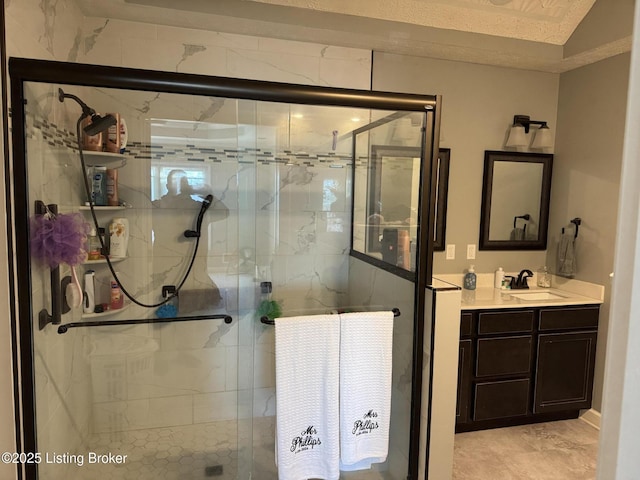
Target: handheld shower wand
206, 203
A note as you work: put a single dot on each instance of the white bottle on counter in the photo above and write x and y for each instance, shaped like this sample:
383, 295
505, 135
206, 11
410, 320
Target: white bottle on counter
499, 278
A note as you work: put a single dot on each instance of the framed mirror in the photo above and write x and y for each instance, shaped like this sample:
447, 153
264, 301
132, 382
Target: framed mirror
515, 200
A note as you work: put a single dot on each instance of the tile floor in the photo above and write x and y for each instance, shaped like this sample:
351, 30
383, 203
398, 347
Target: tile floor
217, 450
563, 450
173, 453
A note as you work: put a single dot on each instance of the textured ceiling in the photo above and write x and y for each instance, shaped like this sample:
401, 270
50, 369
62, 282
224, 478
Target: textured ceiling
547, 21
528, 34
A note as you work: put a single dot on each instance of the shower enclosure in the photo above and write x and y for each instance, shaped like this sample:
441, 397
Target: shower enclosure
185, 389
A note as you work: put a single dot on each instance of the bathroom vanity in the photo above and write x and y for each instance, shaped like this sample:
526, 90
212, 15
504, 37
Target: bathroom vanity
524, 357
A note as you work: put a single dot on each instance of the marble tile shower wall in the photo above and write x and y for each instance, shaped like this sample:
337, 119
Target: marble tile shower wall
175, 374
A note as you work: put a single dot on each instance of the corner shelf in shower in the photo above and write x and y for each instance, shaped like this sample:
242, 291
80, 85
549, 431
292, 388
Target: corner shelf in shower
103, 261
101, 208
104, 158
106, 313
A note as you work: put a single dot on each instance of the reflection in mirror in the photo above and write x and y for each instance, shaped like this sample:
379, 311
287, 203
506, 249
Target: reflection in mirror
515, 201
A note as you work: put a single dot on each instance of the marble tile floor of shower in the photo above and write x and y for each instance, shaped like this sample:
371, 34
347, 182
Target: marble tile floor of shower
562, 450
217, 450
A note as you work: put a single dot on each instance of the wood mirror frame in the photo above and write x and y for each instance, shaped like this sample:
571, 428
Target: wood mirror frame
541, 191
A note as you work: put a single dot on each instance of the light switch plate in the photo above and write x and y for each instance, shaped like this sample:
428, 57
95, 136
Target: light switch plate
471, 251
451, 252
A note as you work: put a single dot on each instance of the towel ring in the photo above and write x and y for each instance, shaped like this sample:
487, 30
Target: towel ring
267, 321
576, 221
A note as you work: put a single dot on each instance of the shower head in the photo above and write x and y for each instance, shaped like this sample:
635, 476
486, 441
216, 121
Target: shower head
98, 123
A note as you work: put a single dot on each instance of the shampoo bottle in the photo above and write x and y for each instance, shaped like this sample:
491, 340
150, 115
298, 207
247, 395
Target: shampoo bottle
470, 279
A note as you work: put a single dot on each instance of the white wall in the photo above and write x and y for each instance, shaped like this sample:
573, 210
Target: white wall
586, 177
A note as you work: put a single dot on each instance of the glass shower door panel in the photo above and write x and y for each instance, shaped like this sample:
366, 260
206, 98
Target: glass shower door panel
167, 396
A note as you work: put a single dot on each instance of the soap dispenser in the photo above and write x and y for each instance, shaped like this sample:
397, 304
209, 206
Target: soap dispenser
470, 279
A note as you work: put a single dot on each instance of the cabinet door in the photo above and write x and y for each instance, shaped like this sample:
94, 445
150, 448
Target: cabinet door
464, 382
504, 356
565, 365
503, 399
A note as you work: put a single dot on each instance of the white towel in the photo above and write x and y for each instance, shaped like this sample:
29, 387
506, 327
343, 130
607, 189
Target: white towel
307, 383
366, 340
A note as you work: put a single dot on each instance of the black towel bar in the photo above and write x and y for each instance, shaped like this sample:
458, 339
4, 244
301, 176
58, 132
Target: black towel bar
139, 321
267, 321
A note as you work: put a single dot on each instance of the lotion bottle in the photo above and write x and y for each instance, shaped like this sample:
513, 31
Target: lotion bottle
118, 237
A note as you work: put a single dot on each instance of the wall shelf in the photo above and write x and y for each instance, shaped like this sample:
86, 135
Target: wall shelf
104, 261
106, 313
105, 158
99, 208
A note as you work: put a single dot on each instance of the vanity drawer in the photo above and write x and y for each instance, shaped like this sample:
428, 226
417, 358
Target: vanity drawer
466, 324
504, 356
576, 318
508, 398
505, 322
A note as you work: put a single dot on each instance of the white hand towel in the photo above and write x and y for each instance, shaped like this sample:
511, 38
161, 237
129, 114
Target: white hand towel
307, 383
365, 388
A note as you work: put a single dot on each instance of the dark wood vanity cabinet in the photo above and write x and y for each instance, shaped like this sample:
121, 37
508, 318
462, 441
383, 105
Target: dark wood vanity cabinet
525, 365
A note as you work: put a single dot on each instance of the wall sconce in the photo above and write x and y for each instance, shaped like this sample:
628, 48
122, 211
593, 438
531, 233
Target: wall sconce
520, 129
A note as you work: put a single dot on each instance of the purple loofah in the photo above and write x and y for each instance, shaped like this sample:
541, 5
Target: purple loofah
59, 239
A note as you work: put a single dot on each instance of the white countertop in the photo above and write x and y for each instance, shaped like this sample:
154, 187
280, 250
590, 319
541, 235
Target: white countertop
570, 292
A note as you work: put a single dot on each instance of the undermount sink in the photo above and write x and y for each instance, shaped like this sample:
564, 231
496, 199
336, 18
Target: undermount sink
536, 296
